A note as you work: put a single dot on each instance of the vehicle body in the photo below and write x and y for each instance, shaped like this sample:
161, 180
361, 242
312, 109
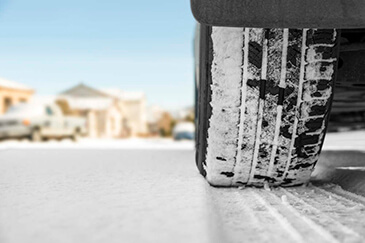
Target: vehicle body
331, 33
280, 13
38, 122
184, 131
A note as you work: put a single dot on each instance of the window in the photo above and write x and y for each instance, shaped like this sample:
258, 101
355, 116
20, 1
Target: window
7, 103
49, 111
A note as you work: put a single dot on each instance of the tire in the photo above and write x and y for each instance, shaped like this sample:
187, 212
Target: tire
264, 103
36, 135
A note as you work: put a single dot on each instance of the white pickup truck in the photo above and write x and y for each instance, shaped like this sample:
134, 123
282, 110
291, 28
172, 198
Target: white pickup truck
39, 122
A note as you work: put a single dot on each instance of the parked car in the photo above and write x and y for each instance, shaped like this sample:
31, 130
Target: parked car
38, 122
184, 131
266, 73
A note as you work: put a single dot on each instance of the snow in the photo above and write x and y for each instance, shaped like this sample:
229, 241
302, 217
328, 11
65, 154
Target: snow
85, 103
284, 199
12, 85
148, 190
342, 161
351, 140
226, 99
100, 144
125, 95
101, 196
362, 168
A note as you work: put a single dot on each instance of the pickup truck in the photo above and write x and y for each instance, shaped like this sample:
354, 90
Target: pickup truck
267, 74
39, 122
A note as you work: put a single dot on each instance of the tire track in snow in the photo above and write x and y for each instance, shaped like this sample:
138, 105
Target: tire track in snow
345, 211
348, 198
239, 216
320, 215
337, 190
300, 214
308, 228
279, 228
274, 212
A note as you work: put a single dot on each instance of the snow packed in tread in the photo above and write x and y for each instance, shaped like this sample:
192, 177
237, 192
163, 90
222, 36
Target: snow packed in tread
234, 139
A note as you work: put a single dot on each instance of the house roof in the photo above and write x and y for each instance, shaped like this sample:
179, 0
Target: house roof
83, 97
83, 91
13, 85
87, 103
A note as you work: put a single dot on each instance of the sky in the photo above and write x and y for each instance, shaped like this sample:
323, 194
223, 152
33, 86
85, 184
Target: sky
140, 45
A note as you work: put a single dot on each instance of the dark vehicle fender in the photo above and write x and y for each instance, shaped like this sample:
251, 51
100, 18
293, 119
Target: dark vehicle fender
281, 13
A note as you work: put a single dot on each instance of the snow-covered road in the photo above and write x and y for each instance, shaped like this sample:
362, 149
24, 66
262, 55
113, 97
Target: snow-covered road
127, 192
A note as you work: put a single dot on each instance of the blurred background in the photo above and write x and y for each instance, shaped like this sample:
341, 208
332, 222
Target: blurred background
96, 70
111, 70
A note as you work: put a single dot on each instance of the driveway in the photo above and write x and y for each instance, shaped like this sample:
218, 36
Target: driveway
155, 194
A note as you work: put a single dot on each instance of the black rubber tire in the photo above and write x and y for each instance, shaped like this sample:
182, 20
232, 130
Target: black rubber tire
264, 101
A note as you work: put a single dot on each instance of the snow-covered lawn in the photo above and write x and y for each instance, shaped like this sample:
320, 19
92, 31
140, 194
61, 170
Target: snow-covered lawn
88, 143
349, 141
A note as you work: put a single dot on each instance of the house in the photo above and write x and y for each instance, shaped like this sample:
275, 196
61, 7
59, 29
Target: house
133, 105
12, 93
102, 112
109, 113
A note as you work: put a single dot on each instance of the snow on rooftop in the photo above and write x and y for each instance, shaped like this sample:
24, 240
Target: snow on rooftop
124, 95
43, 99
84, 103
13, 85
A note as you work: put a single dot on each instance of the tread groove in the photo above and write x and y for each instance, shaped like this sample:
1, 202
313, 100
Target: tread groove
262, 89
238, 169
301, 80
281, 96
280, 218
260, 113
270, 96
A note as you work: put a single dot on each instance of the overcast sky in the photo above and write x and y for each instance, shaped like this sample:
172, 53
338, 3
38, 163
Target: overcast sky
136, 45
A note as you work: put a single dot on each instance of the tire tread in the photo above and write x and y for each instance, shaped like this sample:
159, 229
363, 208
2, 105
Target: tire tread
268, 126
